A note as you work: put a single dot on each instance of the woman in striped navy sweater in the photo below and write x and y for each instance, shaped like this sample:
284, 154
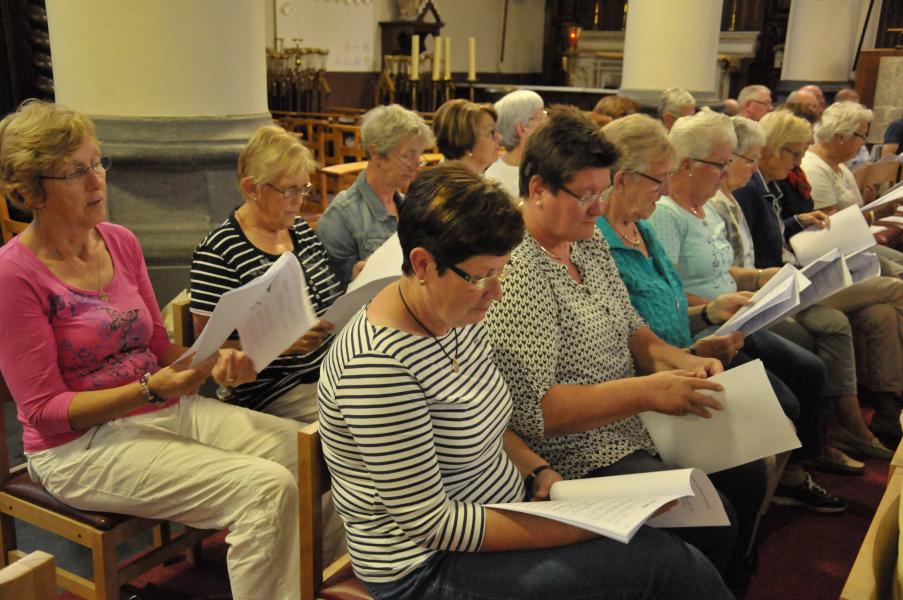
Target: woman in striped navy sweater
414, 421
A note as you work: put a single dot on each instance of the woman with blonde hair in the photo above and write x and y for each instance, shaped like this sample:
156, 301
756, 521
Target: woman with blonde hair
274, 179
466, 133
111, 422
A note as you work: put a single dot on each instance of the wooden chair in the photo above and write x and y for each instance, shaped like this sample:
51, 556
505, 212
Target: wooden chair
24, 500
32, 577
873, 576
338, 177
9, 226
336, 581
182, 324
344, 144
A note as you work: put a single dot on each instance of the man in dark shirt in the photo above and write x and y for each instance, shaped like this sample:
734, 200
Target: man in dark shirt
893, 139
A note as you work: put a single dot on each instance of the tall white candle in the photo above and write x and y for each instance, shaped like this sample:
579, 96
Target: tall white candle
437, 57
448, 57
471, 59
415, 57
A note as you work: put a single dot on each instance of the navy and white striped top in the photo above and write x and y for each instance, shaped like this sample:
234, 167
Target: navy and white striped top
414, 449
226, 260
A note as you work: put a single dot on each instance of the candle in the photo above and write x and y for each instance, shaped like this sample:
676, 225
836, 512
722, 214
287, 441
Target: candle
415, 57
471, 59
437, 57
447, 57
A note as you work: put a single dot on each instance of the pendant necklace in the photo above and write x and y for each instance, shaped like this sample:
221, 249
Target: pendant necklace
454, 361
636, 242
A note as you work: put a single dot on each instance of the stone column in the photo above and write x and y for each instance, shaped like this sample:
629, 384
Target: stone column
175, 87
821, 40
671, 44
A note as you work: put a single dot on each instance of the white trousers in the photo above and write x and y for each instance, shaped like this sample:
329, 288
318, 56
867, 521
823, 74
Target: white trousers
201, 463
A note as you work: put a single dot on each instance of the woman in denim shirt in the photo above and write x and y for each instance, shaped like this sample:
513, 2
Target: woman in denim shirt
365, 215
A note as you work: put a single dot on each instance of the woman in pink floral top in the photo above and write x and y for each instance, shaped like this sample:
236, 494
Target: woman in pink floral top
110, 421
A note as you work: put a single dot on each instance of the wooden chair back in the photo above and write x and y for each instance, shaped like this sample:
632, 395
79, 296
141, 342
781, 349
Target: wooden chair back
344, 144
33, 577
182, 323
24, 500
10, 227
873, 576
336, 580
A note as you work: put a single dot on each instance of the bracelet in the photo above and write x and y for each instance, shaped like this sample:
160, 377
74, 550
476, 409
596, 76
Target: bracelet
756, 282
149, 396
692, 350
528, 482
705, 315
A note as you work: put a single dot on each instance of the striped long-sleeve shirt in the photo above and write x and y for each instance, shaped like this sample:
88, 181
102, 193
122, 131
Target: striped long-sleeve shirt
226, 260
415, 449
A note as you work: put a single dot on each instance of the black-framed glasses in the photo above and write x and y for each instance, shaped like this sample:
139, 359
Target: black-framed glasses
480, 283
769, 104
99, 165
659, 183
721, 166
797, 155
861, 136
750, 161
588, 197
294, 192
411, 162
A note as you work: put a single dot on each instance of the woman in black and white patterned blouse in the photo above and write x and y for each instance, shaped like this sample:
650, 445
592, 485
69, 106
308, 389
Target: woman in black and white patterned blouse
569, 343
414, 421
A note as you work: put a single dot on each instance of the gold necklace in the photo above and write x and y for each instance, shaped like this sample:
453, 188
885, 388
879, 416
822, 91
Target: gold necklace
548, 252
636, 242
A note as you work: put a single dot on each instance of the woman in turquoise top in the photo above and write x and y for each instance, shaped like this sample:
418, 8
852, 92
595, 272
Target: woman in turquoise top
658, 294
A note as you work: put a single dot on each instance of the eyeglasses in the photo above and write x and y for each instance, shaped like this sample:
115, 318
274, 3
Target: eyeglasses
411, 162
294, 192
491, 133
98, 165
796, 155
480, 283
540, 117
588, 197
769, 104
660, 183
750, 161
721, 166
861, 136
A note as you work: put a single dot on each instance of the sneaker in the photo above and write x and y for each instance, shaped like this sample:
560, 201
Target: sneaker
809, 495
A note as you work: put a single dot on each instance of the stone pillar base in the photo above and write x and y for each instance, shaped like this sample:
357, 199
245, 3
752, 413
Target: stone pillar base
172, 180
651, 98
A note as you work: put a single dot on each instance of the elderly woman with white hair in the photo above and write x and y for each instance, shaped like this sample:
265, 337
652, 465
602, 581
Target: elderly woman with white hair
674, 104
361, 218
518, 115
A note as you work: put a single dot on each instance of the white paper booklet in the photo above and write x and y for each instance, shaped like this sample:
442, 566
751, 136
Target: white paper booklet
770, 303
849, 233
270, 313
751, 426
895, 220
382, 268
894, 194
828, 274
863, 265
617, 506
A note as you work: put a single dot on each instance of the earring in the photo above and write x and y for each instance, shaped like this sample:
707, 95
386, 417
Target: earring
422, 282
469, 153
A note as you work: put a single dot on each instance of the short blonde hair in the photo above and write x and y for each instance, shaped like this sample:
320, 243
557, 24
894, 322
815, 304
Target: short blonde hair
455, 126
841, 118
271, 153
640, 140
385, 128
782, 127
694, 136
34, 139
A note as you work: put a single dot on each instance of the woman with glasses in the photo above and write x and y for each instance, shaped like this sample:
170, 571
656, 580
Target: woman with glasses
274, 179
110, 421
580, 361
871, 310
414, 421
467, 133
361, 218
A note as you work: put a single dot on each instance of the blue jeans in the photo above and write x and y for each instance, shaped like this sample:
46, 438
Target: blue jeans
655, 564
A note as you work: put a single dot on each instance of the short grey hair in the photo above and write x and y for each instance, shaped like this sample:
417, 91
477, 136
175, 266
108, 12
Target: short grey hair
751, 92
749, 134
841, 118
640, 140
694, 136
673, 99
387, 127
516, 108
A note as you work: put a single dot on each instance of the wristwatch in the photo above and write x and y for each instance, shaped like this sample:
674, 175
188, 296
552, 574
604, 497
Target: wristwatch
149, 396
531, 478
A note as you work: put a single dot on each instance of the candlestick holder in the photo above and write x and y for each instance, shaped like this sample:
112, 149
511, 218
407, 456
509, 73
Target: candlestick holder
470, 89
448, 89
415, 83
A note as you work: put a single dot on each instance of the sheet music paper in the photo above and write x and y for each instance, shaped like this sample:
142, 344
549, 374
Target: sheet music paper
382, 268
287, 293
617, 506
773, 300
863, 265
849, 233
894, 194
751, 426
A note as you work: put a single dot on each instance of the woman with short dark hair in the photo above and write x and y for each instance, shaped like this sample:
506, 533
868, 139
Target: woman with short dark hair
414, 416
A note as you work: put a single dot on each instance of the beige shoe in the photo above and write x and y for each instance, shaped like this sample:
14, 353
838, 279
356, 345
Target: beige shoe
848, 442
